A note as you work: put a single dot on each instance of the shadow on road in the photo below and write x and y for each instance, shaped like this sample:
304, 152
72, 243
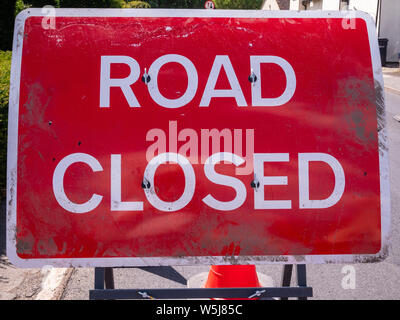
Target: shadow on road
166, 272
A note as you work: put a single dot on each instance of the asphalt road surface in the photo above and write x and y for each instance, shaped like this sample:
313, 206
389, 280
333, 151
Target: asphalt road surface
371, 281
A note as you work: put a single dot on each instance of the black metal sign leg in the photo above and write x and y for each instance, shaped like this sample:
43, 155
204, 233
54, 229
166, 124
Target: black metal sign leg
109, 278
103, 278
286, 277
99, 278
301, 278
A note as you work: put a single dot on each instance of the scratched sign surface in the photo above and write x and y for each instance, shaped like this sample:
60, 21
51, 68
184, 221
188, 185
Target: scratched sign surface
161, 137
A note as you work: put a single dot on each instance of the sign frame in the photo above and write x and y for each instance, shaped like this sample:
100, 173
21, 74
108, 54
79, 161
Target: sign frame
203, 260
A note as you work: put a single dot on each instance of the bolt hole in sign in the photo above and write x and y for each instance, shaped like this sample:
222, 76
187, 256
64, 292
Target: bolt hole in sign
157, 137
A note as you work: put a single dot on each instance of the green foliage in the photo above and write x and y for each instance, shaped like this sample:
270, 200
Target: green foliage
20, 5
117, 3
136, 4
196, 4
199, 4
238, 4
42, 3
5, 66
91, 3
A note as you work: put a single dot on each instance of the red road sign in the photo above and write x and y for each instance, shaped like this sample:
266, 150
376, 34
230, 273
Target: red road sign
209, 5
148, 138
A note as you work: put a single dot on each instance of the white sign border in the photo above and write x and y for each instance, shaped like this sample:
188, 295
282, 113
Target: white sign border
197, 260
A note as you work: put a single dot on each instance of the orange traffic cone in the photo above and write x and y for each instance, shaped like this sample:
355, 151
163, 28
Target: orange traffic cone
237, 276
